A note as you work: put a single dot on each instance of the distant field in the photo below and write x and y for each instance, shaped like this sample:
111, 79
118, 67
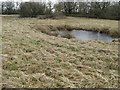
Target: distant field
34, 59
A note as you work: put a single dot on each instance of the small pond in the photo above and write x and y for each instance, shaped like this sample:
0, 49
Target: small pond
89, 35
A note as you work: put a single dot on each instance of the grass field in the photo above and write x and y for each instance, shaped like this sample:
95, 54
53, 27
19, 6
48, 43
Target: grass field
34, 59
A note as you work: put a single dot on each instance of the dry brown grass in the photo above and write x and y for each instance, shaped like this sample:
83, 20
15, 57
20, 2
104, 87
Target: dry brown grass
32, 59
67, 35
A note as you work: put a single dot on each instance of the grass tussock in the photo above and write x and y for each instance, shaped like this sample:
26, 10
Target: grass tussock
47, 29
67, 35
116, 40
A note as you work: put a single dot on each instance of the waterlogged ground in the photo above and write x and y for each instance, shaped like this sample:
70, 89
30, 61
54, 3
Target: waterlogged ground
34, 59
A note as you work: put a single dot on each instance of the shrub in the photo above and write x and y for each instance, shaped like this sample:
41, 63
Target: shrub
31, 9
8, 8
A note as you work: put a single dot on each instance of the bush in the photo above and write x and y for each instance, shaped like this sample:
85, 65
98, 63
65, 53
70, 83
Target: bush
9, 8
31, 9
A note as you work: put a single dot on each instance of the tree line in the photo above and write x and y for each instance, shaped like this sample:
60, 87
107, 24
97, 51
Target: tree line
103, 10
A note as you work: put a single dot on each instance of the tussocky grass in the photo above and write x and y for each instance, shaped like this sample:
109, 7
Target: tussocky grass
32, 59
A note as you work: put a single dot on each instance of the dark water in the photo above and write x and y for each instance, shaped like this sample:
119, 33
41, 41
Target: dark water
89, 35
